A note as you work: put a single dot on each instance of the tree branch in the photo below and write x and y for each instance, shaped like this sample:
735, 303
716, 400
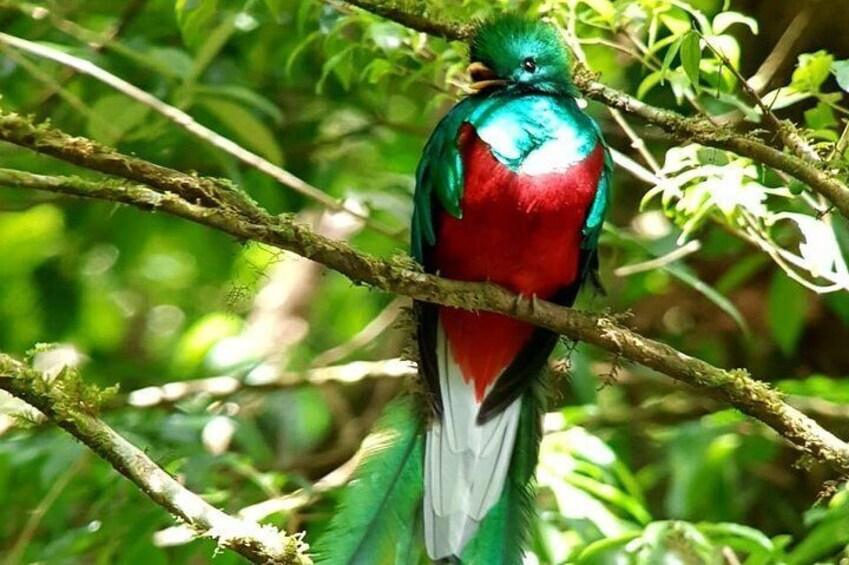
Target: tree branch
226, 385
71, 405
244, 220
414, 15
693, 129
187, 122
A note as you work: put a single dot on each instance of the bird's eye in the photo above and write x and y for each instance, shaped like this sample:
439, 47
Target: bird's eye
529, 64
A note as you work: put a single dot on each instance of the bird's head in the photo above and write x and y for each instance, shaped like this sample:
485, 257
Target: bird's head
514, 52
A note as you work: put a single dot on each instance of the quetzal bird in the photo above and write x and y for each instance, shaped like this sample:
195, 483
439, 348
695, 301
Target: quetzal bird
512, 188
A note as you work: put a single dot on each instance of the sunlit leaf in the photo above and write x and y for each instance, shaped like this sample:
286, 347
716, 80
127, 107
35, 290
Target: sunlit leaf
724, 20
670, 55
677, 22
603, 8
784, 97
648, 83
840, 70
29, 237
813, 69
201, 337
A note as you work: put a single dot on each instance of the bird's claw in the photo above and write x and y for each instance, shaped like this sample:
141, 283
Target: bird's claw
520, 298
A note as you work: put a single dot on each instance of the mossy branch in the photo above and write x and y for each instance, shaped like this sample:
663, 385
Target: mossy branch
66, 400
415, 16
225, 210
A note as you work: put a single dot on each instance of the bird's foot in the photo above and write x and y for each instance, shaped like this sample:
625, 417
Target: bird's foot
520, 299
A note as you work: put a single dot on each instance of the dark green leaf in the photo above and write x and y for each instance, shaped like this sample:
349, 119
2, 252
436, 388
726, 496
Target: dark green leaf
787, 308
691, 56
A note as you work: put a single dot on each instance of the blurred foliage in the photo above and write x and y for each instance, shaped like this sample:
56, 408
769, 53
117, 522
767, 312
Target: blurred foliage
640, 471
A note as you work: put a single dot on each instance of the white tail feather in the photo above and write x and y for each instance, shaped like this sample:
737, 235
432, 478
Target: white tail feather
466, 463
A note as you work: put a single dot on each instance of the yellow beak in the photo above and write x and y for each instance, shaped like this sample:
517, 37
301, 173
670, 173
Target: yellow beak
483, 77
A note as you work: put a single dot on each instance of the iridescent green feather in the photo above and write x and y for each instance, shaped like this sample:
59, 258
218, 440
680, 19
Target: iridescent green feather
378, 521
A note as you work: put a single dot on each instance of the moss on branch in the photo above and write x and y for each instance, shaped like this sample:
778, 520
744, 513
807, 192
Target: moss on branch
734, 387
72, 404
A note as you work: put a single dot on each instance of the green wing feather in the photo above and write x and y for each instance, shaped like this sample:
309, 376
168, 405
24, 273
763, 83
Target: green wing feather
439, 177
379, 519
598, 210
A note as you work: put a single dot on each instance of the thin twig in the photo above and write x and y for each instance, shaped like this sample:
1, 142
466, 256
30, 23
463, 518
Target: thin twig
675, 255
781, 51
188, 123
226, 385
368, 334
637, 142
785, 130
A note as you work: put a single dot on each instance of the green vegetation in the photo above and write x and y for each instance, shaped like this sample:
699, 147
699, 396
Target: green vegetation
732, 250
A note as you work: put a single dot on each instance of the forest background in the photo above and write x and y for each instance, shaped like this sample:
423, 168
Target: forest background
249, 376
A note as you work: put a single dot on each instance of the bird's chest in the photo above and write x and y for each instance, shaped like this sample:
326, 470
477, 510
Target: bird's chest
521, 229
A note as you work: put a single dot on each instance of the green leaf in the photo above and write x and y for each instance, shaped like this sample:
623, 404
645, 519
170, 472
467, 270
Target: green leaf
611, 496
677, 22
675, 542
596, 548
840, 70
691, 56
246, 127
168, 61
741, 272
827, 538
341, 60
210, 45
788, 305
649, 83
686, 276
812, 71
784, 97
296, 52
820, 117
114, 116
195, 18
29, 238
244, 95
670, 55
737, 536
201, 337
725, 20
603, 8
274, 7
376, 70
